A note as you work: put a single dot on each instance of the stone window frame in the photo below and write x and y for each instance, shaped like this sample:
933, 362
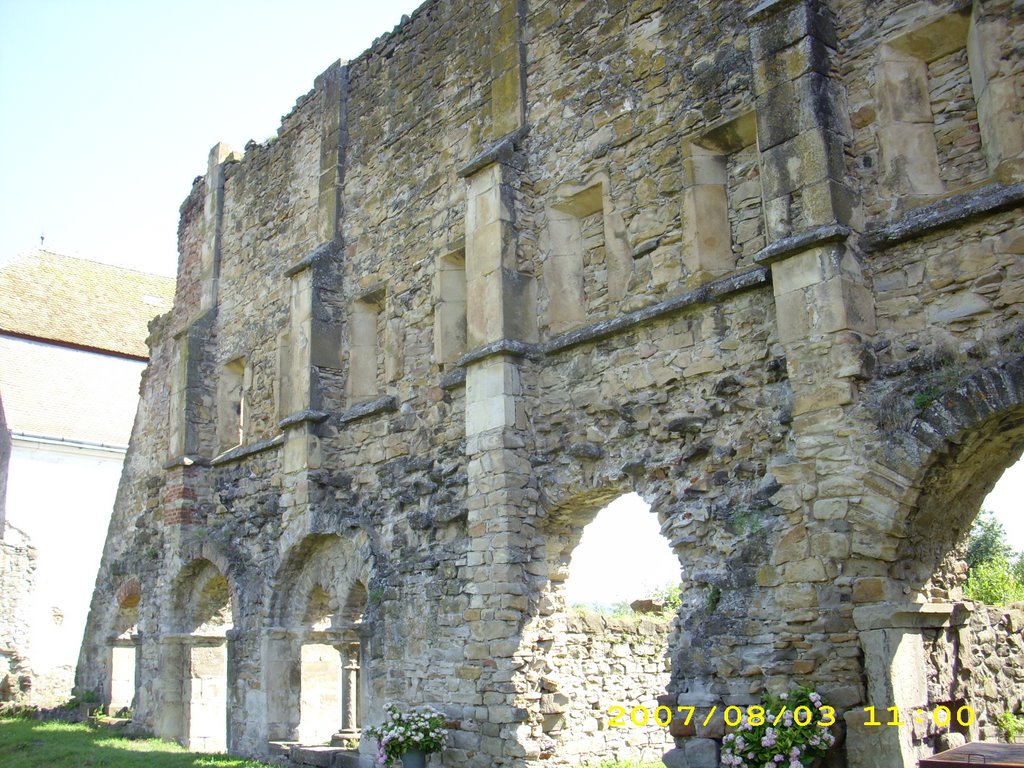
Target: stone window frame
906, 125
568, 301
365, 342
707, 231
233, 407
450, 296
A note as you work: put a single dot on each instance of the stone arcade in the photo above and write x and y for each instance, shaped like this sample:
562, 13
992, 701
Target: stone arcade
762, 264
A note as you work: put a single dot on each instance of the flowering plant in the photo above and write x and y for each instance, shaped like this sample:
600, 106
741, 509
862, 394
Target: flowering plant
792, 733
421, 729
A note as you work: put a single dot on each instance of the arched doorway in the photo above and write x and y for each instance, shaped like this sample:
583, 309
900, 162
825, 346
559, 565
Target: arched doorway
602, 633
926, 646
315, 651
124, 651
194, 669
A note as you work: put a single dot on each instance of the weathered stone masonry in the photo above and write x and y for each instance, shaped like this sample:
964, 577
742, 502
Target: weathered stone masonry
760, 263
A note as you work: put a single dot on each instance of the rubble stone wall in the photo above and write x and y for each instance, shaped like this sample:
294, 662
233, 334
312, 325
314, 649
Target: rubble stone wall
972, 666
17, 566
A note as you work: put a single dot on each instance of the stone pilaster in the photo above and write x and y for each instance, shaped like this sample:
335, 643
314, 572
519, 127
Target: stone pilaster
824, 307
313, 340
501, 498
508, 68
213, 218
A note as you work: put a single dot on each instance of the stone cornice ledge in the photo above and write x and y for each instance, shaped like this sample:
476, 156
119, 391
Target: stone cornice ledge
247, 450
500, 151
324, 250
991, 198
454, 378
302, 417
705, 294
186, 461
910, 615
511, 347
788, 246
385, 404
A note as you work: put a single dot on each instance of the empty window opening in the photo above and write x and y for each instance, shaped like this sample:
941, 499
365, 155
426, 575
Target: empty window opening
930, 133
365, 363
614, 587
232, 404
330, 666
450, 307
590, 262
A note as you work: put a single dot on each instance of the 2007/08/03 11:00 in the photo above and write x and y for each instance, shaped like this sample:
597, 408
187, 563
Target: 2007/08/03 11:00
802, 716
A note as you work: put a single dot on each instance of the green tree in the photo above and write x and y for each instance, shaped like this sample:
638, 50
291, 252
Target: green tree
987, 540
995, 573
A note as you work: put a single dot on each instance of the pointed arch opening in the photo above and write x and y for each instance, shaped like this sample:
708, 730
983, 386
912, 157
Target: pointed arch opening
926, 643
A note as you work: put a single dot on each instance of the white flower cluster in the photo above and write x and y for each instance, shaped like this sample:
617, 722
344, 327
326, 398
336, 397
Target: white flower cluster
421, 729
780, 740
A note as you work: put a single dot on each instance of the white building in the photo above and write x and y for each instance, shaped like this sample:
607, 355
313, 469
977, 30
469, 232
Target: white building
72, 350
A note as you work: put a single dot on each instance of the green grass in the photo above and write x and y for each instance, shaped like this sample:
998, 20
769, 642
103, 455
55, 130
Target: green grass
36, 744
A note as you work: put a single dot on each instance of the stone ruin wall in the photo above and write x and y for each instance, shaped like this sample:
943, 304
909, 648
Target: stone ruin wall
972, 664
595, 662
808, 383
17, 567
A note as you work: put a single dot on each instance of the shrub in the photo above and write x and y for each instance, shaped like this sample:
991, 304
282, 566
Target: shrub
993, 582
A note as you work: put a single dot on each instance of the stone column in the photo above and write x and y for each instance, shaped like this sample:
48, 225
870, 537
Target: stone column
350, 722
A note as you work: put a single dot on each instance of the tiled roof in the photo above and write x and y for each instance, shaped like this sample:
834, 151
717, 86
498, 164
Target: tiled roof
45, 295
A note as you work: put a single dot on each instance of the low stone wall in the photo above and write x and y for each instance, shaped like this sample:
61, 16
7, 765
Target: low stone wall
597, 662
978, 663
17, 575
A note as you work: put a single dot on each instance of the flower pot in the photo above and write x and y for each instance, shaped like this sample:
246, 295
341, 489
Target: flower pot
414, 758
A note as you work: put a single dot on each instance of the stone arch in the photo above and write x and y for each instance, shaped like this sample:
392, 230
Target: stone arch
957, 448
332, 563
314, 648
580, 661
195, 686
919, 639
124, 649
203, 601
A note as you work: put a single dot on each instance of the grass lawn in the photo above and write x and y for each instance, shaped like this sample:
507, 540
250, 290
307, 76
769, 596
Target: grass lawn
38, 744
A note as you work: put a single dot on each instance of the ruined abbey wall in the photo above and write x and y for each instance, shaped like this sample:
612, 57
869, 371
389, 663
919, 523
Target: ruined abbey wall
759, 264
